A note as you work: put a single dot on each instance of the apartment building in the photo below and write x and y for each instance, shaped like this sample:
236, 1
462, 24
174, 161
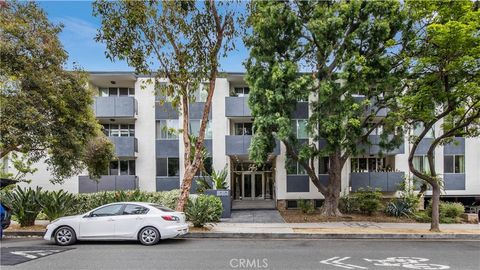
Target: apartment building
150, 154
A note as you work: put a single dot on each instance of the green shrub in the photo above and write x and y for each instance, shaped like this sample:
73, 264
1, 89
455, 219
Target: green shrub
24, 203
89, 201
422, 217
56, 204
204, 209
369, 201
306, 206
450, 212
348, 204
165, 198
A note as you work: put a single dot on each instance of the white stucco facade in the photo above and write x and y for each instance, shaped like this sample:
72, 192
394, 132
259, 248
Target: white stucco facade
225, 122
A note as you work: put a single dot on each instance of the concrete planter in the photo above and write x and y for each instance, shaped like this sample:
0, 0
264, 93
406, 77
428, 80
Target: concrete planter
224, 195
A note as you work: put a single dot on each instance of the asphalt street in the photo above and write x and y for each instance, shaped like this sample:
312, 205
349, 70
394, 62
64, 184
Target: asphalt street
244, 254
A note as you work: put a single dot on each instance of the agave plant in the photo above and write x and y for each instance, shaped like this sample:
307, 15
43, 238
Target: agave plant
24, 203
219, 178
56, 204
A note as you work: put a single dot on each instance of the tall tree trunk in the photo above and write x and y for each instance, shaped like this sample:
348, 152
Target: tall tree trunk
332, 196
435, 224
185, 189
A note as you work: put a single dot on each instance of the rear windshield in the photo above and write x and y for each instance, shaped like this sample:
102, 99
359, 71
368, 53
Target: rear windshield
162, 208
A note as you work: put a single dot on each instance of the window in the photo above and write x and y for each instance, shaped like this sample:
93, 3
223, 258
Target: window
122, 167
201, 93
299, 127
324, 165
207, 165
243, 129
113, 168
110, 210
421, 163
133, 209
294, 167
418, 129
454, 164
115, 130
195, 129
167, 129
369, 165
168, 166
241, 91
114, 91
103, 92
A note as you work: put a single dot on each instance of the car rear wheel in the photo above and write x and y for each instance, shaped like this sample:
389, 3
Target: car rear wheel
65, 236
149, 236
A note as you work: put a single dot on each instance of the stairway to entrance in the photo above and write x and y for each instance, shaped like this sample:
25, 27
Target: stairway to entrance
253, 205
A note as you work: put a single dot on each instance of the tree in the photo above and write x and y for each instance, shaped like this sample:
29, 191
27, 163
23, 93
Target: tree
178, 40
345, 49
443, 85
45, 111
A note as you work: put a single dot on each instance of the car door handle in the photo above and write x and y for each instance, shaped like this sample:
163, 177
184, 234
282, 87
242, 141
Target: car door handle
110, 219
139, 218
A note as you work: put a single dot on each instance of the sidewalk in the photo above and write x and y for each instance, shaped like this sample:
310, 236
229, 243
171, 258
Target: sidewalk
325, 230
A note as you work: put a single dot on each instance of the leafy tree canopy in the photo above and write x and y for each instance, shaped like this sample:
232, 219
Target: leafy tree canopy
45, 111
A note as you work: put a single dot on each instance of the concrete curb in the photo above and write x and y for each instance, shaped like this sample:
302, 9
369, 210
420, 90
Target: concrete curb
294, 235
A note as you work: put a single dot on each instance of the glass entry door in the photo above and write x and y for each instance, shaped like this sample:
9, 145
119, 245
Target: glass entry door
253, 186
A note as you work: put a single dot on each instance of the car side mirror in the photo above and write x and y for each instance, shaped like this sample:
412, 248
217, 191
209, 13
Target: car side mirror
87, 215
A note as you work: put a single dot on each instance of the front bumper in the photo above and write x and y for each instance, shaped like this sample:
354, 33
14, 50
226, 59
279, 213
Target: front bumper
49, 233
174, 230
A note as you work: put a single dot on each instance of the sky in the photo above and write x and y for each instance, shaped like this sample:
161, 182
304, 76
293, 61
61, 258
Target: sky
80, 27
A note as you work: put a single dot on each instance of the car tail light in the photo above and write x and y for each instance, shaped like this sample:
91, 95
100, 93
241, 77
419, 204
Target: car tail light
171, 218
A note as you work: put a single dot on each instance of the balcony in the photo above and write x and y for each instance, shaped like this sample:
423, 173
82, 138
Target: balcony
125, 146
454, 181
237, 145
115, 107
237, 107
107, 183
385, 181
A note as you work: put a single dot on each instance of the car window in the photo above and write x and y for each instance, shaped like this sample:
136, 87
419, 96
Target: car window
162, 208
133, 209
110, 210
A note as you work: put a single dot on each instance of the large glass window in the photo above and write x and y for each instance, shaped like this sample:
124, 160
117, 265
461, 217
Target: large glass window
168, 166
324, 165
299, 127
122, 167
115, 130
202, 93
369, 165
243, 128
195, 128
241, 91
114, 91
421, 164
113, 168
103, 92
418, 129
454, 164
207, 167
167, 129
294, 168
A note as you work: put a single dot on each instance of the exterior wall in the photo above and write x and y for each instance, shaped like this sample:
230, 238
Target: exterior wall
220, 126
145, 133
143, 111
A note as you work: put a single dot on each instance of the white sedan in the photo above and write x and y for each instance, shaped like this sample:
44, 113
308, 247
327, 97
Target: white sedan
146, 222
